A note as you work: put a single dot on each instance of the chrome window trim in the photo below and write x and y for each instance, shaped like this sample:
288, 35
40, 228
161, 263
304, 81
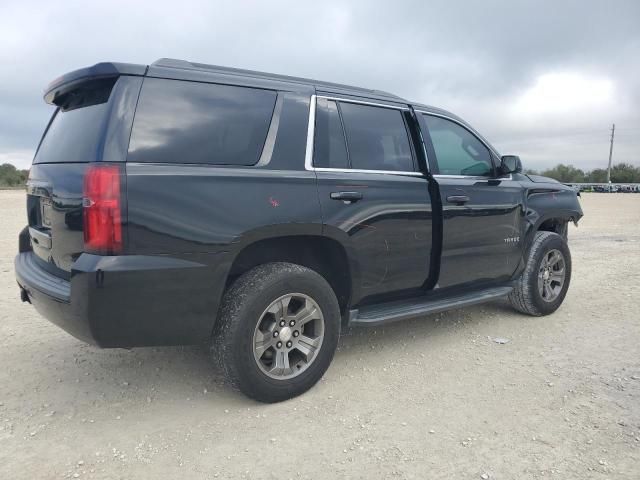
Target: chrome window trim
308, 157
311, 127
444, 175
362, 102
270, 141
356, 170
472, 177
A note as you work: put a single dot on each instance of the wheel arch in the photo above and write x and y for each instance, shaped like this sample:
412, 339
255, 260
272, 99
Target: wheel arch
557, 225
547, 209
323, 254
550, 210
554, 222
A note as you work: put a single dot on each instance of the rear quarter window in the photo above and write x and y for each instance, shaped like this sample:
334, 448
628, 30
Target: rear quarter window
190, 122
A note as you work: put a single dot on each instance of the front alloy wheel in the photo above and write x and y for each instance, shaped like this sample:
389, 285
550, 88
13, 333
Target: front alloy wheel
544, 282
551, 275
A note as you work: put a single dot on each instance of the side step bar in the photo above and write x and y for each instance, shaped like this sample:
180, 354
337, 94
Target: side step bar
374, 315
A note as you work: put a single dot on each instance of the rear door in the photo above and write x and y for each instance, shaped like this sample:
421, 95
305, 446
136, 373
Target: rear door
373, 198
482, 214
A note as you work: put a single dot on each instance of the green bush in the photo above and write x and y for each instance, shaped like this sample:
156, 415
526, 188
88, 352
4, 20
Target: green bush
10, 176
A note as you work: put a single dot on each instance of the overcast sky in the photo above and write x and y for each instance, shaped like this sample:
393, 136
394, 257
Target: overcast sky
542, 79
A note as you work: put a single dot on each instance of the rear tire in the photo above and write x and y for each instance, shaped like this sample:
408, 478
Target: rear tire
277, 331
543, 285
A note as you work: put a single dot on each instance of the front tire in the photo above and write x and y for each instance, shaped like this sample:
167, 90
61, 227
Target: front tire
277, 331
541, 288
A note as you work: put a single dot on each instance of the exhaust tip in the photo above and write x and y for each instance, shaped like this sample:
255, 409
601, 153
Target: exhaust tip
24, 296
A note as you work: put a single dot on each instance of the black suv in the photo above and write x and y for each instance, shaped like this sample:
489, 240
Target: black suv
181, 203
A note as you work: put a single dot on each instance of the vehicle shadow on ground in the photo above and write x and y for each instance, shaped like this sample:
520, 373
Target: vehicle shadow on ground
356, 341
185, 373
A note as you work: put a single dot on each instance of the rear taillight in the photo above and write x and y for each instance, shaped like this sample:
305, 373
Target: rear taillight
102, 210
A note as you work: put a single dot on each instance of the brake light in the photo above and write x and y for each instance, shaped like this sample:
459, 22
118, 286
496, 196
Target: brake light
102, 210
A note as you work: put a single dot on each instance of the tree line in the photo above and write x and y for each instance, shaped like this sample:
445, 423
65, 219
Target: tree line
10, 176
620, 173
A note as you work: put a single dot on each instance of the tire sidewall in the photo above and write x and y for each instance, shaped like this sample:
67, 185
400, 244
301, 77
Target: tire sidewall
551, 242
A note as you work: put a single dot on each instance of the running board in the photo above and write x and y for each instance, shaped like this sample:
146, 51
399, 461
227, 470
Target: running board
404, 309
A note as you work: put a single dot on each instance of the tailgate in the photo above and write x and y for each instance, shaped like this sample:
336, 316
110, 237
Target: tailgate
54, 209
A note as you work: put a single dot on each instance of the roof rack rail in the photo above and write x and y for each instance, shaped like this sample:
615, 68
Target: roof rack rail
203, 67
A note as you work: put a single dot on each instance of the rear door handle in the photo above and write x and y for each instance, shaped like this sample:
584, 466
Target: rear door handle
459, 199
346, 196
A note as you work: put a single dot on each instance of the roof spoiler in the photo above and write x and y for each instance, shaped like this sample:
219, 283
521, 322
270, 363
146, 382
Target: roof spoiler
71, 80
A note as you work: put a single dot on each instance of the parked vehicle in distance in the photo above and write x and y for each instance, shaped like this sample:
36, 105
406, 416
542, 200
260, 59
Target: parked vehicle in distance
575, 188
181, 203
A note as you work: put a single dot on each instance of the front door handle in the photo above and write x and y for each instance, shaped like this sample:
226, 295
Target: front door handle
459, 199
346, 196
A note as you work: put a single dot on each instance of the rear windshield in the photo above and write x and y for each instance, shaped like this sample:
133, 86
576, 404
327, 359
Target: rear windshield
74, 132
191, 122
72, 136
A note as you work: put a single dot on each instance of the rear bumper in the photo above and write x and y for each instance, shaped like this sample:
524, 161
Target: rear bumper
128, 300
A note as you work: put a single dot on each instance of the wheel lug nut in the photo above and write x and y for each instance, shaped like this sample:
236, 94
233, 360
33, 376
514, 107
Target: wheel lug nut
279, 344
296, 333
292, 323
282, 323
289, 344
276, 333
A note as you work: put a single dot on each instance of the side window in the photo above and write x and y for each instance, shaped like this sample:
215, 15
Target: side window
377, 138
458, 151
329, 148
191, 122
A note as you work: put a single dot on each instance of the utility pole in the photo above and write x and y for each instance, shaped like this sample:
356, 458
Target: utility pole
613, 131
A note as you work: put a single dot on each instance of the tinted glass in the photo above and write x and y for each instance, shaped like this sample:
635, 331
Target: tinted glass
73, 136
329, 148
377, 138
189, 122
458, 151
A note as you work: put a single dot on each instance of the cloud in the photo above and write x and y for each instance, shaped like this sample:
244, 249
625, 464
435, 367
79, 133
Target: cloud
564, 93
494, 63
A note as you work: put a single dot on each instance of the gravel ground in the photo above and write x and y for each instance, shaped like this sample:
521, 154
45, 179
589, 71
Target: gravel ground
430, 398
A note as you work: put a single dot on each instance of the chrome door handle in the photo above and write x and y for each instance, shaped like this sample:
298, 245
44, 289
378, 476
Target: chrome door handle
459, 199
346, 196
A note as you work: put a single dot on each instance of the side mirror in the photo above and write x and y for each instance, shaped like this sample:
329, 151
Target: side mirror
510, 164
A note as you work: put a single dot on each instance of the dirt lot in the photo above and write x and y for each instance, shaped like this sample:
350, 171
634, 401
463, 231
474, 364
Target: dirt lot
431, 398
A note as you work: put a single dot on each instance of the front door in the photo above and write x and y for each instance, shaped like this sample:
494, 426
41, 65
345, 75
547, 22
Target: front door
482, 214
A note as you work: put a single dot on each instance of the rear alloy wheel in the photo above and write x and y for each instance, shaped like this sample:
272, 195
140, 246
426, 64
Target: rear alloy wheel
277, 331
288, 336
543, 285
